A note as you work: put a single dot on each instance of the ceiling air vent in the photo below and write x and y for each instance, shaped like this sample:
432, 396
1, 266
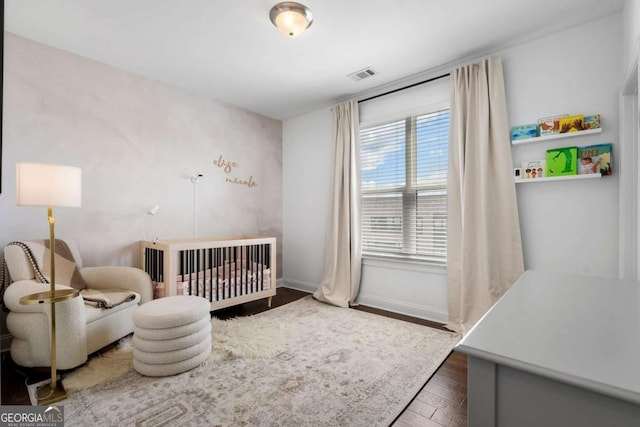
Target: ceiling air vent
362, 74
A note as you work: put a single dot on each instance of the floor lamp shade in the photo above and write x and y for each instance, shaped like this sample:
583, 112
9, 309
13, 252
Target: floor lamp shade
39, 184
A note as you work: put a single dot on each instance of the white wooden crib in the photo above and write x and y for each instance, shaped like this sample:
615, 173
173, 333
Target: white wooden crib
226, 272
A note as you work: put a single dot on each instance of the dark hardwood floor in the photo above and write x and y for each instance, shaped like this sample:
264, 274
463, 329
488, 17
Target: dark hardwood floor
441, 402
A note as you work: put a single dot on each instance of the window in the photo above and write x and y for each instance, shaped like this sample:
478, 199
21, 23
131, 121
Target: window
404, 187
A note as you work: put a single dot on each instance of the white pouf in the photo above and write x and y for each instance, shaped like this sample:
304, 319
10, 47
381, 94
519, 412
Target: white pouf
171, 335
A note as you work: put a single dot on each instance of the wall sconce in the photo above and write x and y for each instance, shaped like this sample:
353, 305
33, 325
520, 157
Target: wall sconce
291, 18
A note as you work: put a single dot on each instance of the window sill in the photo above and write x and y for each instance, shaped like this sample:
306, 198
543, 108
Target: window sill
404, 264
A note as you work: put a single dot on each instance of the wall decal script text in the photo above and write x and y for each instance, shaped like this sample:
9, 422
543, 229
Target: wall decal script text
250, 183
227, 166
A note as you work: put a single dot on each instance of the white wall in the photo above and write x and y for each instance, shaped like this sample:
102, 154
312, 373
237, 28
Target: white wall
631, 14
629, 220
138, 142
307, 160
569, 227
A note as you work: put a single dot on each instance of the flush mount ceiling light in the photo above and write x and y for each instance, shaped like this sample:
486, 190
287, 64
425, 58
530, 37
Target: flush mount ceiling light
291, 18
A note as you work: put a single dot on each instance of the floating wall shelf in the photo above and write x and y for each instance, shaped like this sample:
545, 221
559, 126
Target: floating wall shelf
558, 178
555, 136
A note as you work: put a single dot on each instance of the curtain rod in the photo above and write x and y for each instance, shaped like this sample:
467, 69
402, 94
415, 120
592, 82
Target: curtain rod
405, 87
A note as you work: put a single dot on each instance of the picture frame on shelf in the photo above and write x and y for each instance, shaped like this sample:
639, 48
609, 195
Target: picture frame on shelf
524, 131
550, 125
573, 123
533, 169
591, 122
562, 161
595, 159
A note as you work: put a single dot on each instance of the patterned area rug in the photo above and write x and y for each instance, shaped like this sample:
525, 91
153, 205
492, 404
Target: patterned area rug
342, 367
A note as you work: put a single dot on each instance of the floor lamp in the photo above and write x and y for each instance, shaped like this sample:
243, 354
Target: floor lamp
49, 185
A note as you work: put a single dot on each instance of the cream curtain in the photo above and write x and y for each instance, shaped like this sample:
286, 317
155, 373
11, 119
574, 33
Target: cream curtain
484, 249
343, 254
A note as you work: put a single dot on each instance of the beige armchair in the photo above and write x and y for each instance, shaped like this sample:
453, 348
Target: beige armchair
81, 329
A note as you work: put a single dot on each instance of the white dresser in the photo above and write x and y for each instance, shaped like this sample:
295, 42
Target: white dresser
557, 350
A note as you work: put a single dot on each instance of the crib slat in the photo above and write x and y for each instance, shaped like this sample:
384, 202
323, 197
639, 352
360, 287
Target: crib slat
211, 262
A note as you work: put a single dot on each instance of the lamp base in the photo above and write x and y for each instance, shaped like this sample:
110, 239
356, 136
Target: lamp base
46, 395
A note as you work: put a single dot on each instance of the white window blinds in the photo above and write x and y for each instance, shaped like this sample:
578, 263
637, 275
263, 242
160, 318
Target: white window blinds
404, 179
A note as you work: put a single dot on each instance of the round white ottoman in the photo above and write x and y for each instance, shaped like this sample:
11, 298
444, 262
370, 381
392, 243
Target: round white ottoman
171, 335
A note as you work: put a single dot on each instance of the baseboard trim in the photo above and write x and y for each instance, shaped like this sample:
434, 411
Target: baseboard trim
300, 285
401, 307
395, 306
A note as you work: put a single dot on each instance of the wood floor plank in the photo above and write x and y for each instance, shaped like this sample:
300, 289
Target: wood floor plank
449, 383
422, 408
436, 400
413, 419
449, 417
443, 391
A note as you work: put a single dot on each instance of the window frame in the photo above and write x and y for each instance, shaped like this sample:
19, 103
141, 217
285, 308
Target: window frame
409, 193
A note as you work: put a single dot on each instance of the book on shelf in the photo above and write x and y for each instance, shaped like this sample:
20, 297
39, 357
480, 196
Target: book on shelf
573, 123
533, 169
524, 131
591, 122
550, 125
562, 161
595, 159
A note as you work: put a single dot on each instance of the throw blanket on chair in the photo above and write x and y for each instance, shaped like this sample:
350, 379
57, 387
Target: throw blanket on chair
67, 272
38, 254
106, 298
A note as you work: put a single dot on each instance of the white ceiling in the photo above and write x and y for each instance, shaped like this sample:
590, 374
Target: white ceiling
230, 51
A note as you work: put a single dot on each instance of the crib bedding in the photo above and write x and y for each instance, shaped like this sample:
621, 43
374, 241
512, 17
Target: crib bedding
223, 285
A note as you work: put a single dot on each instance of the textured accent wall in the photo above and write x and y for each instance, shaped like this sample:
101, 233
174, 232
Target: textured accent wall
138, 142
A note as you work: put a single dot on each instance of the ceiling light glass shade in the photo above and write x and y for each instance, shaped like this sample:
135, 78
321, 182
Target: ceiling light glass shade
291, 18
40, 184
